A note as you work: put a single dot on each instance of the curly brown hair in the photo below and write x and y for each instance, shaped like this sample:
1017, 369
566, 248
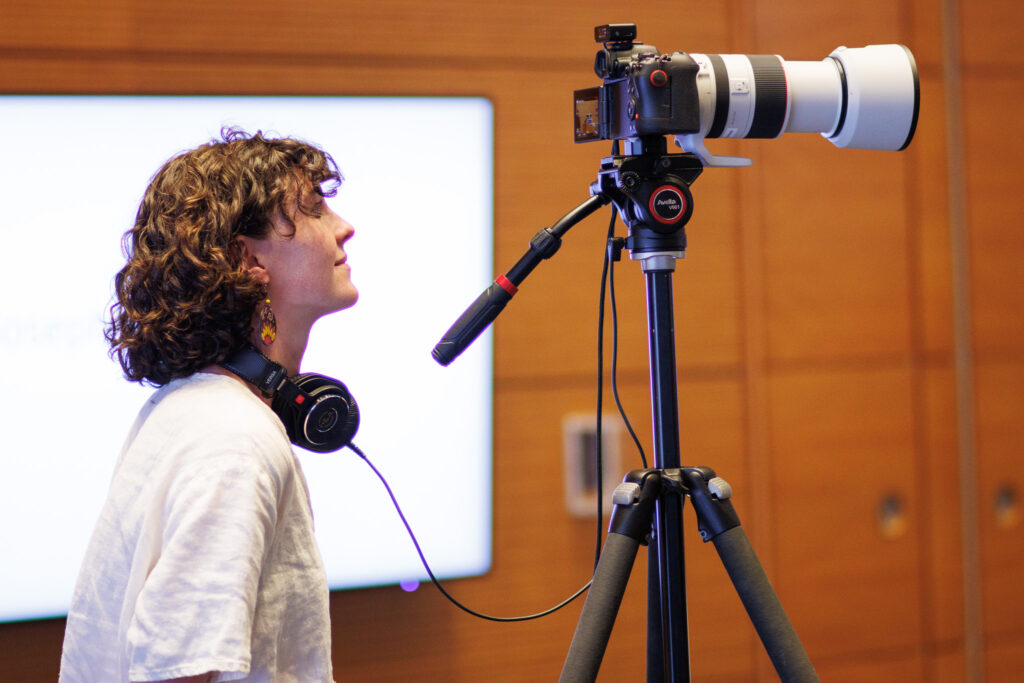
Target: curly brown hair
184, 298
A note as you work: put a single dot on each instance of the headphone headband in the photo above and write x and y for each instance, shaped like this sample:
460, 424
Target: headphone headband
258, 370
319, 413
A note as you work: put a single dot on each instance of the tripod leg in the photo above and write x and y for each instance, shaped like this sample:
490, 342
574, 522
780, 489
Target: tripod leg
655, 646
600, 609
719, 523
630, 525
766, 612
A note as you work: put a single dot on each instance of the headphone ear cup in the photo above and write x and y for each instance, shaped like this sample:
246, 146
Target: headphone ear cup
323, 423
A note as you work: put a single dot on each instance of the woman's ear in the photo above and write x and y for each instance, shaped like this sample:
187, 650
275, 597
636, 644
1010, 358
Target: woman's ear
251, 252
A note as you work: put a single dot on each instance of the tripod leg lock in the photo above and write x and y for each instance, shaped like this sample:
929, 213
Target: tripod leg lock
634, 502
710, 495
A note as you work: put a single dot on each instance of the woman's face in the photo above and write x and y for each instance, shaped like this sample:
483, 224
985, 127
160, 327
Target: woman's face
307, 268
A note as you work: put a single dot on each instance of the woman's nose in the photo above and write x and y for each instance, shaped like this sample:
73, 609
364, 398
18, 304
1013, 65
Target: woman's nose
345, 231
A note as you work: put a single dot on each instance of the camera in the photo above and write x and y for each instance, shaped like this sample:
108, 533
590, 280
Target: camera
862, 98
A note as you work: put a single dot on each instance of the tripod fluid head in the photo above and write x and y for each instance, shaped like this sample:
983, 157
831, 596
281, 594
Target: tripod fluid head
650, 188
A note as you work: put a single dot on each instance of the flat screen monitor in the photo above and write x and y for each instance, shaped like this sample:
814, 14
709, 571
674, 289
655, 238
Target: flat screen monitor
418, 189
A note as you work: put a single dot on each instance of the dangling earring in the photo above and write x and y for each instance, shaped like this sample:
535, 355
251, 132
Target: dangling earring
268, 323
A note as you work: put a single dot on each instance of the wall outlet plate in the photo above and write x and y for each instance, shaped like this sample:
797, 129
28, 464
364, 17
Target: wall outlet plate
579, 434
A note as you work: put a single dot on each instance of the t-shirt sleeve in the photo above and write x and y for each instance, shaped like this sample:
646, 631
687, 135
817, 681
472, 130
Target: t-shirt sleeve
194, 613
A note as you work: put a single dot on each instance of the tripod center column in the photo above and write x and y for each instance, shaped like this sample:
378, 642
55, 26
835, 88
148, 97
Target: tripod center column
667, 600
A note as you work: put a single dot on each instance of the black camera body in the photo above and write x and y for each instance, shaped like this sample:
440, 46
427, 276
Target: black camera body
644, 92
863, 98
657, 95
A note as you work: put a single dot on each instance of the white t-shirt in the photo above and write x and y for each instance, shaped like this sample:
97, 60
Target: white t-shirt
203, 558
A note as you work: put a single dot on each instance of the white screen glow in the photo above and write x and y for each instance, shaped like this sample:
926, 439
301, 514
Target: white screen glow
418, 189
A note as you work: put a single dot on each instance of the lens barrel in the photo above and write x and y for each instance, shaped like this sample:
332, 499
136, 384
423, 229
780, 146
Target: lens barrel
864, 98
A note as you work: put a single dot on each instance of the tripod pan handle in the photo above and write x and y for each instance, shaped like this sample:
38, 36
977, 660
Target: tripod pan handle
473, 321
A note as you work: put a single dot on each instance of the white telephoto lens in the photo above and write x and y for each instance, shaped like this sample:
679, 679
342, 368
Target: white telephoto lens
865, 97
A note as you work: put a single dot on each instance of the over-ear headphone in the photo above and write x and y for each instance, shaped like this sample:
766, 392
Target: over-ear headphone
318, 412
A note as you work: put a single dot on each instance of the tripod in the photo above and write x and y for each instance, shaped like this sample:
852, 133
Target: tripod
650, 189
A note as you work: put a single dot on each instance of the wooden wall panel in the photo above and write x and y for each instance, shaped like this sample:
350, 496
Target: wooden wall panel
835, 252
995, 250
990, 33
799, 30
74, 25
30, 651
883, 668
834, 221
942, 574
528, 34
945, 666
840, 447
1000, 433
1004, 660
996, 242
928, 210
924, 34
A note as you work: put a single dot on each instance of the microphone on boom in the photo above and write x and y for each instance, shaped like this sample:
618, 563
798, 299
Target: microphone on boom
474, 320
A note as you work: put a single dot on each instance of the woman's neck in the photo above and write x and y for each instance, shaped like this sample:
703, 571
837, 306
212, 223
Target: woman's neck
286, 350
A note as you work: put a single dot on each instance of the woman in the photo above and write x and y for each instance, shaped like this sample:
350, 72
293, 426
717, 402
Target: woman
203, 565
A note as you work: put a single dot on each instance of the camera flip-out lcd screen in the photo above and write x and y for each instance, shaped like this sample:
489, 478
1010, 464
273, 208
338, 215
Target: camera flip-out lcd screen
587, 116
